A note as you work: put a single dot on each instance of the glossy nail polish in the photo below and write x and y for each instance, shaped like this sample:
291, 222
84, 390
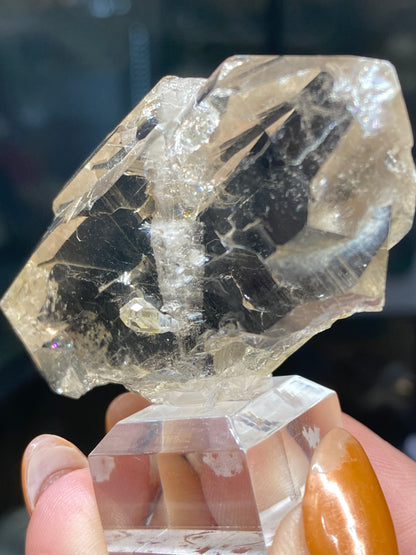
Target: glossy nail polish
344, 509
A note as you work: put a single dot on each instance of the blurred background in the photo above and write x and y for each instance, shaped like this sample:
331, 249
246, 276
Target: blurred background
69, 71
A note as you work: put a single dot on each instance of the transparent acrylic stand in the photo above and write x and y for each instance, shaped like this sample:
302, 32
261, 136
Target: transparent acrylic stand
209, 473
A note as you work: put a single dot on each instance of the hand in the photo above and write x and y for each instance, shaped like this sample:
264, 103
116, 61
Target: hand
64, 517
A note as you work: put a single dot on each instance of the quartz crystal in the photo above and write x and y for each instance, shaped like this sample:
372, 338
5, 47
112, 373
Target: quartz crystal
222, 224
218, 477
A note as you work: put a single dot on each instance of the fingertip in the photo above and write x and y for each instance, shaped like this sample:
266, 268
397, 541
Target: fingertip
122, 406
46, 459
66, 519
396, 473
383, 456
342, 488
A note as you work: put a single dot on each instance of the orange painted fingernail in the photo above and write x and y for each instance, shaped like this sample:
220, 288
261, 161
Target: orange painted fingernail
46, 459
344, 509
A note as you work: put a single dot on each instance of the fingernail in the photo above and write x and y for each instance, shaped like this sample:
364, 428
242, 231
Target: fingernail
46, 459
122, 406
344, 509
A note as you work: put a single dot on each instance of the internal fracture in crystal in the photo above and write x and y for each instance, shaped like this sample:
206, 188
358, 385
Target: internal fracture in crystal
222, 224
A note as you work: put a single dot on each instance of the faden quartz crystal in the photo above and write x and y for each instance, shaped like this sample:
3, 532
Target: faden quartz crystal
222, 224
192, 477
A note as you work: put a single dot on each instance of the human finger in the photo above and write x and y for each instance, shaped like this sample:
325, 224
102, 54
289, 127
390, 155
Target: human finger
397, 476
59, 493
122, 406
46, 458
344, 509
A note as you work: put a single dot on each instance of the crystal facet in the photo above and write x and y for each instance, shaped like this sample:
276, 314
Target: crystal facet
223, 223
190, 477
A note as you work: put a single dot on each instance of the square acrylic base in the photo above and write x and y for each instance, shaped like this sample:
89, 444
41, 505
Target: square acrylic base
210, 473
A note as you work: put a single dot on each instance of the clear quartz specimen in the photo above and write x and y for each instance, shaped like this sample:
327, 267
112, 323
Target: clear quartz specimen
215, 476
222, 224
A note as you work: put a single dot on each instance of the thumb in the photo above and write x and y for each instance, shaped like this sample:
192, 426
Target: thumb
59, 494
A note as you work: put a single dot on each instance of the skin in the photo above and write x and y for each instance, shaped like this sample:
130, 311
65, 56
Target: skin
64, 517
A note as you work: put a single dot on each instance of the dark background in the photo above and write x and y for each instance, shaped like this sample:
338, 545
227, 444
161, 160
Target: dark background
69, 71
